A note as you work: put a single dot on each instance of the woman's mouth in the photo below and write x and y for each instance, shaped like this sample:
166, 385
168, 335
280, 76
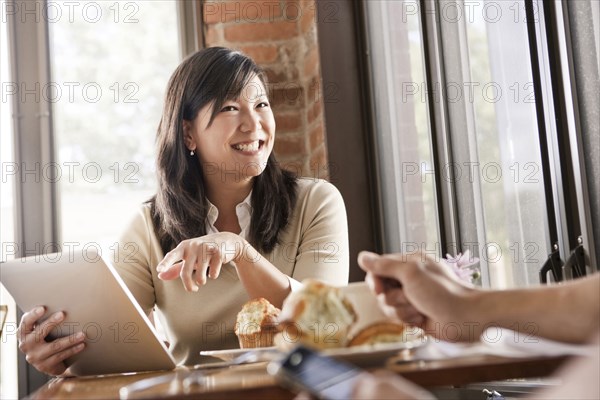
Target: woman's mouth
249, 147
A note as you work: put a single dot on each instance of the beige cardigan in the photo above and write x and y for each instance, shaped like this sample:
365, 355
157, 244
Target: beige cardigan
314, 244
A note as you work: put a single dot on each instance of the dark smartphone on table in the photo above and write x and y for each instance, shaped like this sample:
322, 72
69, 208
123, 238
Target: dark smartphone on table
324, 377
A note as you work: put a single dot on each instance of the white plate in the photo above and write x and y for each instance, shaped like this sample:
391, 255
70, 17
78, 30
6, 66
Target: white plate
373, 354
367, 355
230, 354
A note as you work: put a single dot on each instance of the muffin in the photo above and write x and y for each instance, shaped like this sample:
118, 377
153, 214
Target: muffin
379, 332
256, 324
318, 316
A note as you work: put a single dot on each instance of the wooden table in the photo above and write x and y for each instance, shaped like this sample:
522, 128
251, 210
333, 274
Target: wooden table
252, 381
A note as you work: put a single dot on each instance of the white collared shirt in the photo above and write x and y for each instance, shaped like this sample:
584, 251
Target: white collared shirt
243, 211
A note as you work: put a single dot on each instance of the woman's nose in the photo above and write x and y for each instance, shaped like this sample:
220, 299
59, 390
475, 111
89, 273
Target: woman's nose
251, 122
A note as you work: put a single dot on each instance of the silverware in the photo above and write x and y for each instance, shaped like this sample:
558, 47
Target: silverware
136, 390
194, 376
249, 357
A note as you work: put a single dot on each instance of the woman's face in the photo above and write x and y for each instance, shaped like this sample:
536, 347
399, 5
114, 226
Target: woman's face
240, 138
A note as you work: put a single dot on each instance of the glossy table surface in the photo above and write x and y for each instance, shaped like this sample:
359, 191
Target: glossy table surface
251, 381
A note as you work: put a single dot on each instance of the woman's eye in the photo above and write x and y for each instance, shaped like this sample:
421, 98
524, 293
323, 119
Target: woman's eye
262, 104
228, 108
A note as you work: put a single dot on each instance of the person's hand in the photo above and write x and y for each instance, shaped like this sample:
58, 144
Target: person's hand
47, 357
195, 259
421, 292
382, 385
387, 385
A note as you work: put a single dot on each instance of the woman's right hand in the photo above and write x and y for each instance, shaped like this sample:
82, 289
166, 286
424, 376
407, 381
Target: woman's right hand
47, 357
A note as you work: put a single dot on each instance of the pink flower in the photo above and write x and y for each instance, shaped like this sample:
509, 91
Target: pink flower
464, 266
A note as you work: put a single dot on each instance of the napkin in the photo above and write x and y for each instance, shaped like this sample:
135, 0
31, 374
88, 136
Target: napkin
501, 342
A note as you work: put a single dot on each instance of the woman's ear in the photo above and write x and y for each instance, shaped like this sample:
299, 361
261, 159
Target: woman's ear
188, 137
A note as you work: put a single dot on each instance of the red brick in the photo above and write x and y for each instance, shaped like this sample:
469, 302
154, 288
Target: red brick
213, 35
295, 165
262, 54
318, 164
308, 19
290, 145
275, 77
317, 136
288, 122
260, 31
286, 77
289, 95
241, 11
313, 91
292, 10
311, 61
314, 111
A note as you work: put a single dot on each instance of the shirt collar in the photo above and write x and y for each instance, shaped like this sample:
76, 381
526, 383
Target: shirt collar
243, 211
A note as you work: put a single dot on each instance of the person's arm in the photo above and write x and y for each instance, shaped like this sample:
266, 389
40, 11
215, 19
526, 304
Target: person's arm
323, 251
422, 292
195, 260
322, 254
131, 258
579, 378
568, 312
383, 384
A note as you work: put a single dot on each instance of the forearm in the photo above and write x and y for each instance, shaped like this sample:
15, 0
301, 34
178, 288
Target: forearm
261, 278
568, 312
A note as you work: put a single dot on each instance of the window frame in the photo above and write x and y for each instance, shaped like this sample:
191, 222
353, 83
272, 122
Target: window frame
580, 226
37, 203
348, 111
33, 140
565, 163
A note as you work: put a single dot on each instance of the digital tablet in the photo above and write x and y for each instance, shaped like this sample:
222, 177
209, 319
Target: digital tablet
119, 335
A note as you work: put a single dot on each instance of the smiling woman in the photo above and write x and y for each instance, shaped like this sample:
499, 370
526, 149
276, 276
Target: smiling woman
223, 145
225, 209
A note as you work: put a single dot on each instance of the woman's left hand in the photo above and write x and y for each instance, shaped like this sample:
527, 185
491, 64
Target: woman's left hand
195, 259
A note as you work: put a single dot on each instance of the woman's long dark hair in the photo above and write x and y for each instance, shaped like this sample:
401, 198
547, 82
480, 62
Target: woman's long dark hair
179, 209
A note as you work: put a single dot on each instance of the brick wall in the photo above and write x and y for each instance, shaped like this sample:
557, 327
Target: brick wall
281, 37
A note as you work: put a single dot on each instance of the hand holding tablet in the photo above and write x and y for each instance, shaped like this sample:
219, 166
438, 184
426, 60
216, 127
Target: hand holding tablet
95, 309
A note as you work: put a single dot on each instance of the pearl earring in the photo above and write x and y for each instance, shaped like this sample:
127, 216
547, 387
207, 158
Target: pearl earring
191, 152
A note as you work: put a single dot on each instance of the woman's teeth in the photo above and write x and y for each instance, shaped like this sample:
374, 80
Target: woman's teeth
248, 146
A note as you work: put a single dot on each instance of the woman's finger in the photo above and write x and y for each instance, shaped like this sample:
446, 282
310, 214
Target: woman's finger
187, 271
201, 271
40, 332
28, 321
44, 329
54, 365
172, 257
215, 264
172, 272
59, 345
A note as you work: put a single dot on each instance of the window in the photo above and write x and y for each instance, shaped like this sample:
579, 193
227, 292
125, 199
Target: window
508, 146
90, 77
8, 339
403, 131
474, 122
106, 115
